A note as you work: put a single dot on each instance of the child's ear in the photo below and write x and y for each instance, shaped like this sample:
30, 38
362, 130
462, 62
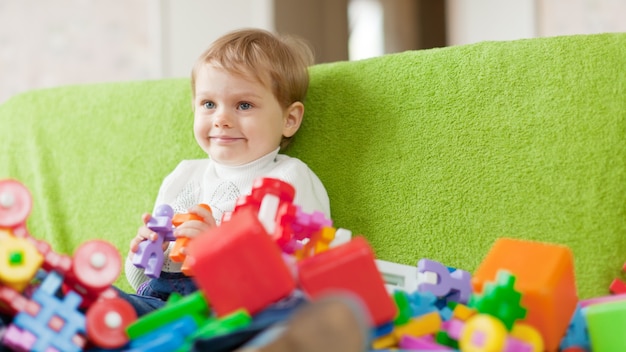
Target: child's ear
293, 118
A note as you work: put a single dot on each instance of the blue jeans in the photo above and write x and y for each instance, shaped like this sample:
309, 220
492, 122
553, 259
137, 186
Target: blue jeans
154, 293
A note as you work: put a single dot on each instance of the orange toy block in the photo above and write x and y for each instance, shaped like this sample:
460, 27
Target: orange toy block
544, 276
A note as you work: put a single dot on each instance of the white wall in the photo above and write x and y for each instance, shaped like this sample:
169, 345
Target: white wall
189, 26
471, 21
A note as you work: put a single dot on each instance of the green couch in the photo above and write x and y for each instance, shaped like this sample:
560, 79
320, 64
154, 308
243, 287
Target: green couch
428, 154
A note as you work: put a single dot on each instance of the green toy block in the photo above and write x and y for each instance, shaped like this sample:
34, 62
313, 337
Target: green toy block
194, 305
606, 323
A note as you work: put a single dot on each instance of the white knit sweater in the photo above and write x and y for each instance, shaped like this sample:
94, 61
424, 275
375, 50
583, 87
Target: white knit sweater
205, 181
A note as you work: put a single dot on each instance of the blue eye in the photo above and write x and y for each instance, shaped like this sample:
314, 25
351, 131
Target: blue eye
209, 105
245, 106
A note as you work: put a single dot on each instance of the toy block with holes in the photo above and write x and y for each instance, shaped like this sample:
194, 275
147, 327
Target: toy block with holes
349, 267
237, 265
74, 306
544, 276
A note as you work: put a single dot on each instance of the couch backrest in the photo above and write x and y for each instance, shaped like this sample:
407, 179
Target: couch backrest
428, 154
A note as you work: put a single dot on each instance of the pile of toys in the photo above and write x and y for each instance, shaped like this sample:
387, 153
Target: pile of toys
521, 298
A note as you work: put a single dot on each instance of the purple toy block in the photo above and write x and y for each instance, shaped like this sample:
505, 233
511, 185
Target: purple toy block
455, 286
424, 343
149, 255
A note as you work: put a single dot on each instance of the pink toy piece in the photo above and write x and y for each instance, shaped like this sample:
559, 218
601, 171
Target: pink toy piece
455, 286
514, 345
15, 204
19, 340
602, 299
424, 343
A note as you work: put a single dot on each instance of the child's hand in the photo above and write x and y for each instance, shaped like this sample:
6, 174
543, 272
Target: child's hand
193, 228
144, 233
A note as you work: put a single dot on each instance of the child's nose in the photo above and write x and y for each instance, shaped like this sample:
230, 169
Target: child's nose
222, 119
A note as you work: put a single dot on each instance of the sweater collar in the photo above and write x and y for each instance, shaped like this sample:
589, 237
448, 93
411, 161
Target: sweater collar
258, 165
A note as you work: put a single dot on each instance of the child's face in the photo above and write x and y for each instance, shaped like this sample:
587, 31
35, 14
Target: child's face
238, 119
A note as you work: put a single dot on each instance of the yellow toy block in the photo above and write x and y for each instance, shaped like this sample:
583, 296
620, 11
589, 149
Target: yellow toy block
19, 262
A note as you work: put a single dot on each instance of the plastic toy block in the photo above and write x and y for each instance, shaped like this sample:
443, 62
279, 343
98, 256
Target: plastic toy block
384, 342
15, 204
107, 320
444, 339
349, 267
58, 323
403, 305
217, 327
617, 286
52, 261
423, 302
524, 337
398, 276
19, 262
165, 338
12, 302
483, 332
576, 334
419, 326
318, 243
454, 285
263, 187
238, 265
453, 328
463, 312
382, 330
307, 224
602, 299
96, 265
545, 278
176, 253
423, 343
606, 324
17, 339
149, 255
500, 299
193, 305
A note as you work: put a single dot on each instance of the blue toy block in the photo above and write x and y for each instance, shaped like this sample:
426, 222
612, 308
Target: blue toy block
64, 311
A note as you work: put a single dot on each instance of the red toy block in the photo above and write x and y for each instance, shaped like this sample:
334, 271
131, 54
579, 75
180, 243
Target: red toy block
237, 265
107, 320
96, 265
350, 267
544, 276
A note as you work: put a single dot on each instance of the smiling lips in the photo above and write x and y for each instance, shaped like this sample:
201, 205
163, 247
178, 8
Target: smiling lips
224, 139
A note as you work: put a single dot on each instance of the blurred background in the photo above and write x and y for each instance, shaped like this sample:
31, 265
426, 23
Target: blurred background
47, 43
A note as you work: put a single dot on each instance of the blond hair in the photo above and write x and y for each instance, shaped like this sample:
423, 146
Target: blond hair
279, 62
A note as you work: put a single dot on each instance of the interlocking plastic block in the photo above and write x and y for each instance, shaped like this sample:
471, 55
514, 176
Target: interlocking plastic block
606, 323
58, 323
19, 262
577, 334
500, 299
149, 255
482, 332
454, 285
95, 266
237, 265
15, 204
166, 338
193, 305
544, 276
349, 267
107, 320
